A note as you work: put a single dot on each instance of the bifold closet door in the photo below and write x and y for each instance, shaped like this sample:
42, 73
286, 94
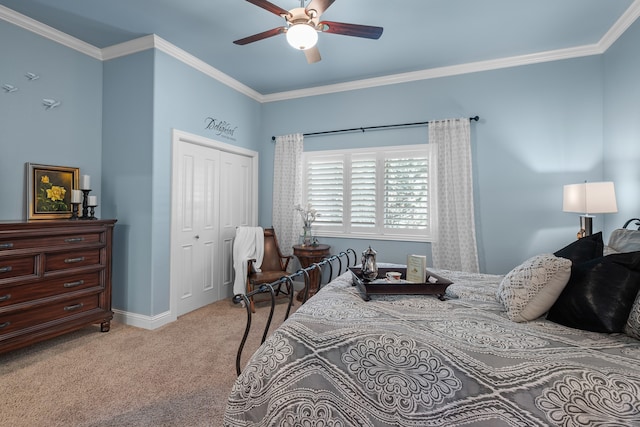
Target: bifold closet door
236, 195
198, 197
214, 194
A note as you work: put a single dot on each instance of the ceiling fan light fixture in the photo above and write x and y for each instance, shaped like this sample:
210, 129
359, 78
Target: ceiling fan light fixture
302, 36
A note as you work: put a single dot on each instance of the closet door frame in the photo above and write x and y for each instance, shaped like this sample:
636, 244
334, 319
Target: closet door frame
180, 137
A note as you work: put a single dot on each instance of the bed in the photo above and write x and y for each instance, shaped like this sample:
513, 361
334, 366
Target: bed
497, 350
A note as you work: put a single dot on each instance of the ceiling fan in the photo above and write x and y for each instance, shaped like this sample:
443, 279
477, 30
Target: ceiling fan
303, 25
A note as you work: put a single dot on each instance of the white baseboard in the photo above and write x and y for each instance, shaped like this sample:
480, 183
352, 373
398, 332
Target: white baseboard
142, 321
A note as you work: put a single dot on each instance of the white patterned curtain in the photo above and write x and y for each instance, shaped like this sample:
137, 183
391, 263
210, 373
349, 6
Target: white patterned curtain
287, 190
455, 245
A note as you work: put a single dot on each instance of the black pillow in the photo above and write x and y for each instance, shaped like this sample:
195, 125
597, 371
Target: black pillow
600, 294
584, 249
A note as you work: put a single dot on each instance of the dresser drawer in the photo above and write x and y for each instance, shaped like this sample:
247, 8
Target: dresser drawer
19, 266
31, 292
71, 259
12, 322
29, 242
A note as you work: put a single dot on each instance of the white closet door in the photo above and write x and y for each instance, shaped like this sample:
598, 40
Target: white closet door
236, 209
197, 214
214, 190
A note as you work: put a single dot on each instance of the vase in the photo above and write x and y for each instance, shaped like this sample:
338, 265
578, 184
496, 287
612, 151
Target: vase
307, 237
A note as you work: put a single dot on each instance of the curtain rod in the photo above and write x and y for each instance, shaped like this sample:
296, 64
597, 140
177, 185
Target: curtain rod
273, 138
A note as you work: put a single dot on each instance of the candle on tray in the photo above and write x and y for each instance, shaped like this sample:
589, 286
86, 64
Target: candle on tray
76, 196
92, 201
85, 182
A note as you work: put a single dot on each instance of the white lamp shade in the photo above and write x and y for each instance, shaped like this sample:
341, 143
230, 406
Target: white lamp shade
302, 36
590, 198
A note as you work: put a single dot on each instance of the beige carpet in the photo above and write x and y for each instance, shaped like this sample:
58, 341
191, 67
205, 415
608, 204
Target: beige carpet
177, 375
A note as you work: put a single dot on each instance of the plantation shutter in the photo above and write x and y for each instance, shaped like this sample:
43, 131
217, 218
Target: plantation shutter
406, 193
383, 193
363, 193
325, 184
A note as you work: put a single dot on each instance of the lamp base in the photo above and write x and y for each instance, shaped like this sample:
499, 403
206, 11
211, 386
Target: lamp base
586, 226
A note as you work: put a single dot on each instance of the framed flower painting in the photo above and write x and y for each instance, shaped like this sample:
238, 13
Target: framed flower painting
49, 191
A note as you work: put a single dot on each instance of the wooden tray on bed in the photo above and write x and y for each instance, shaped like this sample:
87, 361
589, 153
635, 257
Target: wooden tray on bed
381, 286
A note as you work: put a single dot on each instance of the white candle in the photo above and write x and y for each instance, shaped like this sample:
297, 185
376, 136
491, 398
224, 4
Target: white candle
85, 182
92, 201
76, 196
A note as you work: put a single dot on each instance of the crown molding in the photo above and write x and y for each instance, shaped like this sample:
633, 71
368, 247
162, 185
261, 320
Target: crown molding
205, 68
48, 32
622, 24
153, 41
434, 73
128, 48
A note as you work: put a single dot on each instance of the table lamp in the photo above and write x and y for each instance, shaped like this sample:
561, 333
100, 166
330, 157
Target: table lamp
589, 198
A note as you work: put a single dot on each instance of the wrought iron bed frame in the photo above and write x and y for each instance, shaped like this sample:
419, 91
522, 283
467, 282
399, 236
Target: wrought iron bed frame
288, 282
637, 222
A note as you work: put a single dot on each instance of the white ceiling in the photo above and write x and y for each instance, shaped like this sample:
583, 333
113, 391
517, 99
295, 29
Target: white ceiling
419, 36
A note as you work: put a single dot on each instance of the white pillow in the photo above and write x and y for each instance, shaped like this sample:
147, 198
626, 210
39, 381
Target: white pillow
624, 240
529, 290
608, 250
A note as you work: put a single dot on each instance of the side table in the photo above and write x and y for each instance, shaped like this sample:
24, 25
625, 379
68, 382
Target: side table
308, 255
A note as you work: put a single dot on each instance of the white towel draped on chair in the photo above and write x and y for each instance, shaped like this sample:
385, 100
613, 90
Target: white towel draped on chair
248, 244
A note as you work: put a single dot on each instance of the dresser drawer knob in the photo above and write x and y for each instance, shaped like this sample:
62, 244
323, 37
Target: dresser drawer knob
74, 239
6, 245
73, 307
6, 297
72, 260
5, 269
4, 325
73, 284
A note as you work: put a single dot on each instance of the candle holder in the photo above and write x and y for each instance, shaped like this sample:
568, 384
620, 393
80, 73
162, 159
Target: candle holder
75, 208
85, 203
92, 212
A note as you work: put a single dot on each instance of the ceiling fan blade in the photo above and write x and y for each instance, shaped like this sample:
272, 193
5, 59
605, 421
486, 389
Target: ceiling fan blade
270, 7
354, 30
312, 54
319, 6
260, 36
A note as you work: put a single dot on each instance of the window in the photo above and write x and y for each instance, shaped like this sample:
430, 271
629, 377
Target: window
383, 193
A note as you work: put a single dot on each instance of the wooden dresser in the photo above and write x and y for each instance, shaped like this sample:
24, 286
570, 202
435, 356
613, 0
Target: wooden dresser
55, 277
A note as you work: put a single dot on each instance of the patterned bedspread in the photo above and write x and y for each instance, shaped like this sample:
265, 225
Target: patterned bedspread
419, 361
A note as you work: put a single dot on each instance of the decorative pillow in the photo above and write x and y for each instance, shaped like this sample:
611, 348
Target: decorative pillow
623, 240
530, 289
632, 328
584, 249
600, 294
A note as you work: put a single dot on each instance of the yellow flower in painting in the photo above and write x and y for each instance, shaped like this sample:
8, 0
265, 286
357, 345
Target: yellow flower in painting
44, 179
56, 193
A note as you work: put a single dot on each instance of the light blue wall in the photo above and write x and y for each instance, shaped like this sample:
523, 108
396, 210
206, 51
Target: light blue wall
69, 135
540, 128
127, 162
146, 96
622, 125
